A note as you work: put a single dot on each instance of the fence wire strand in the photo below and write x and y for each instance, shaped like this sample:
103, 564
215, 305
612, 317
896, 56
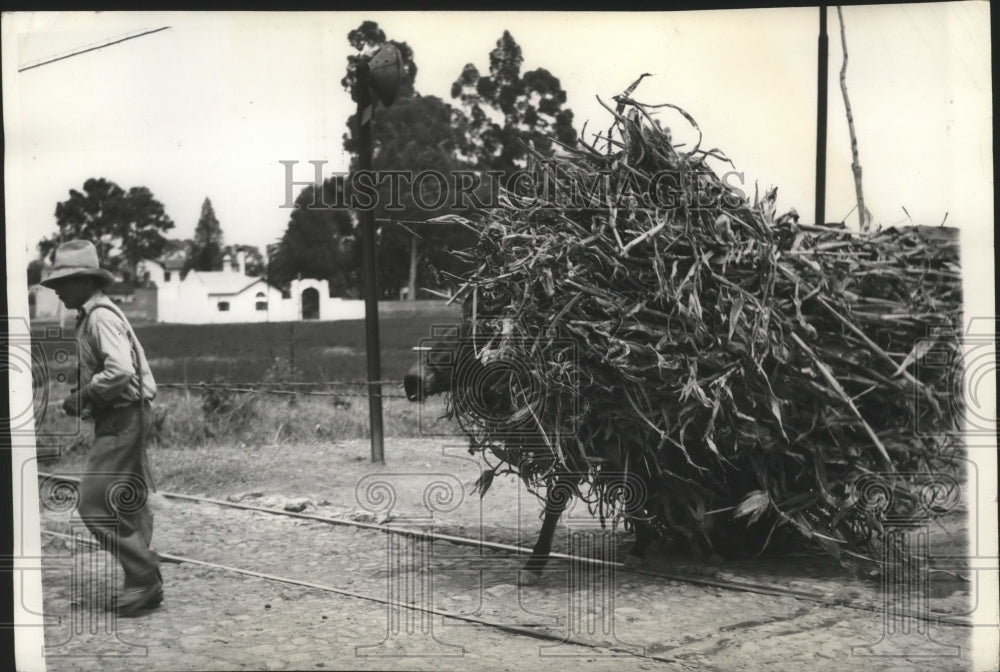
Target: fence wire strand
318, 383
265, 388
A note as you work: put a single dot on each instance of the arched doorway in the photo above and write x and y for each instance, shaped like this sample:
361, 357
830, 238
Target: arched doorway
310, 303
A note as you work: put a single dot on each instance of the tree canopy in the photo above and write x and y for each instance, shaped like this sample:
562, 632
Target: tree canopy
206, 248
429, 140
422, 137
255, 265
509, 112
125, 226
318, 243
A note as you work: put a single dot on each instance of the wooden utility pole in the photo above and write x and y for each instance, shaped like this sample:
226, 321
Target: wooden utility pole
821, 105
863, 221
377, 80
413, 269
366, 108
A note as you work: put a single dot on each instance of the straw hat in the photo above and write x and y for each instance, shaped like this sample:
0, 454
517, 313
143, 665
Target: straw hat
74, 259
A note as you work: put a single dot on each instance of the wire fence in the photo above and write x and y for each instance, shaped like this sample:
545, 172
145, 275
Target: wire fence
275, 388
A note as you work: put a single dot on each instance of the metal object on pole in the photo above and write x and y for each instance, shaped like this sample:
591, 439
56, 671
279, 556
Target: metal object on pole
821, 109
379, 78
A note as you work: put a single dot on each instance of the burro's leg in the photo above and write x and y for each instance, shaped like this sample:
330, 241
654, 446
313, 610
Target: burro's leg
557, 496
644, 536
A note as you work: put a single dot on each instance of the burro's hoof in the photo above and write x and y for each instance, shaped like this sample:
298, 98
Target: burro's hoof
633, 562
698, 570
528, 577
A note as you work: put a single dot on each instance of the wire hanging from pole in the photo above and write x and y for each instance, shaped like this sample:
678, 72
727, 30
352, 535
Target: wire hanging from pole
89, 48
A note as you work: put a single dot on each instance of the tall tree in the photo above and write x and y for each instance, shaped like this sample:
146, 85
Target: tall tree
509, 111
416, 134
254, 259
176, 254
206, 250
318, 243
420, 136
175, 247
125, 227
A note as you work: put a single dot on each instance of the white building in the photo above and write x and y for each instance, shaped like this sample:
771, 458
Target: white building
211, 297
230, 295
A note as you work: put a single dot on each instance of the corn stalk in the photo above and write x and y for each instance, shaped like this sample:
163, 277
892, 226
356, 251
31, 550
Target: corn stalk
668, 324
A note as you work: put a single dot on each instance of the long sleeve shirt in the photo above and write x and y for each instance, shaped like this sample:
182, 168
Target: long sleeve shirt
108, 367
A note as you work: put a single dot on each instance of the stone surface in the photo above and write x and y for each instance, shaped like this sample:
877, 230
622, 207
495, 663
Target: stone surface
213, 619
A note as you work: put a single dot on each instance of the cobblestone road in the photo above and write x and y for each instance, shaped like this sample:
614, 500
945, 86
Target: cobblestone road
212, 619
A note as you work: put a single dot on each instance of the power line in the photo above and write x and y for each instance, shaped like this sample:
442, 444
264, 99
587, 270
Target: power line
91, 48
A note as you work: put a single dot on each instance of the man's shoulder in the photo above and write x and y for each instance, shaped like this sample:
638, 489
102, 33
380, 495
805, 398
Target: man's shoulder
102, 311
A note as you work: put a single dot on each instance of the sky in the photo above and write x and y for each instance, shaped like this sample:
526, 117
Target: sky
210, 106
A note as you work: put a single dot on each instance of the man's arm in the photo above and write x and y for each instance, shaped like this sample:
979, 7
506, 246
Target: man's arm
114, 348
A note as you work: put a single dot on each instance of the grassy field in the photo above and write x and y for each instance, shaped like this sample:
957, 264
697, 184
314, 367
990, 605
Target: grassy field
250, 353
321, 351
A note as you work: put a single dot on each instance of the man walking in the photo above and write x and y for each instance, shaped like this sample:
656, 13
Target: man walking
116, 386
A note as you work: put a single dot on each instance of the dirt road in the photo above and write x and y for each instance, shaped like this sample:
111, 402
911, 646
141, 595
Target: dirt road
214, 619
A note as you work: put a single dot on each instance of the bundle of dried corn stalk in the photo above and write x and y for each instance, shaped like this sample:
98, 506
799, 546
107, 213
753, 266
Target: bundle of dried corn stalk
648, 317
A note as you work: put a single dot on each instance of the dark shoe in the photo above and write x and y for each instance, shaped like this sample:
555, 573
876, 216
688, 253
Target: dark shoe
133, 600
113, 603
